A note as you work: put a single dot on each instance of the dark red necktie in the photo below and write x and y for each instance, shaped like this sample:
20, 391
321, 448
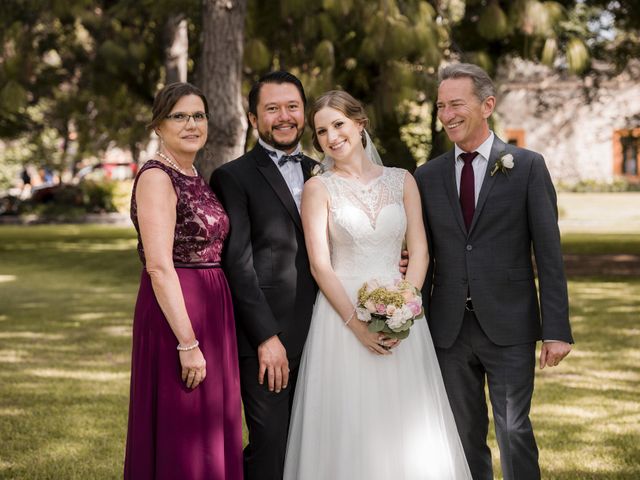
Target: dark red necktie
467, 188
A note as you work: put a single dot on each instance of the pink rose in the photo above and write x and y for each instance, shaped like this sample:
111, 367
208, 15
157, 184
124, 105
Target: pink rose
415, 307
381, 309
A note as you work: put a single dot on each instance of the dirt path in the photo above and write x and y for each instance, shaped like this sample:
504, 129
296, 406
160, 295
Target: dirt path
623, 265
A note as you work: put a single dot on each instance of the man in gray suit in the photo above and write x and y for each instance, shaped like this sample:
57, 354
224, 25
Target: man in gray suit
487, 204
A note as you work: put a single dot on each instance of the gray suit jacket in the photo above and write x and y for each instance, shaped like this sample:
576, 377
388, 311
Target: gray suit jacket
515, 213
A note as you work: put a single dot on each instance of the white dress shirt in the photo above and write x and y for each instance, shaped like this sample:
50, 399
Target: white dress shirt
290, 171
479, 164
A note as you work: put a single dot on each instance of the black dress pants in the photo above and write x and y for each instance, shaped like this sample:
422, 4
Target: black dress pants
267, 416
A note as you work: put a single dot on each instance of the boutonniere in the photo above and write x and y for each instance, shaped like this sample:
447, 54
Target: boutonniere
317, 169
504, 163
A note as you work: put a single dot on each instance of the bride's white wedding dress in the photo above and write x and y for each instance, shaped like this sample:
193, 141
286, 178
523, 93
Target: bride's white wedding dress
358, 415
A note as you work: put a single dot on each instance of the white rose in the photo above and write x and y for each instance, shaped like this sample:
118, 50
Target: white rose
369, 305
407, 313
397, 320
363, 314
507, 161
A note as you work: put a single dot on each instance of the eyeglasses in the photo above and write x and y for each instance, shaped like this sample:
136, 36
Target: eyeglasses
181, 117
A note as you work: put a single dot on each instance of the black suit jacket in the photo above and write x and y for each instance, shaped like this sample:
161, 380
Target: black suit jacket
265, 258
516, 213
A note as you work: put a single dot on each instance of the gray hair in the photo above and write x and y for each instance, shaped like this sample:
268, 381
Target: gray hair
482, 84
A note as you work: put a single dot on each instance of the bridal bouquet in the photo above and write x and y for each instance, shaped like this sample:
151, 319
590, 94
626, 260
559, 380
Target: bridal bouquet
390, 309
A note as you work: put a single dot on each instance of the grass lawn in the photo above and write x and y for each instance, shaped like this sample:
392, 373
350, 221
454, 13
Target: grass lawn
600, 243
66, 301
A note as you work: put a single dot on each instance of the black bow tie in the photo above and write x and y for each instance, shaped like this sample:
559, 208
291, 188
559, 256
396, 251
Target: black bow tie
290, 158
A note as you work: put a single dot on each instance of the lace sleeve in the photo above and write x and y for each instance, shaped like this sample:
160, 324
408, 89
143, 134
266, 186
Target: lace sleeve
396, 183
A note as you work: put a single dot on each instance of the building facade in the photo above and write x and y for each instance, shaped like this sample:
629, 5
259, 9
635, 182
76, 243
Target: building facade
588, 129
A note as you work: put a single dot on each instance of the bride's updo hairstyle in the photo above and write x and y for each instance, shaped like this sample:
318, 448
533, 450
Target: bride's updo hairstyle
343, 102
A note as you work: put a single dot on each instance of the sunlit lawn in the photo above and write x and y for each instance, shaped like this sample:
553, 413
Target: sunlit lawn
66, 299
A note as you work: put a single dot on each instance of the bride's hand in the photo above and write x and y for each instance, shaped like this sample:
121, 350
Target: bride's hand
390, 343
371, 340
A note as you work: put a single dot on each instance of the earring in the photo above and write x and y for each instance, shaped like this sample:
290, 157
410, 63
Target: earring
363, 138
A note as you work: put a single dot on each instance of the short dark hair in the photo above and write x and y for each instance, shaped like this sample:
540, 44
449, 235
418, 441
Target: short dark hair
278, 77
167, 97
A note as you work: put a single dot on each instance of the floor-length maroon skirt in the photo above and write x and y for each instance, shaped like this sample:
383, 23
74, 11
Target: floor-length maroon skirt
176, 432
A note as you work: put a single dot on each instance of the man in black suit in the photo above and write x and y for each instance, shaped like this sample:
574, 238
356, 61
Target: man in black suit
487, 205
267, 267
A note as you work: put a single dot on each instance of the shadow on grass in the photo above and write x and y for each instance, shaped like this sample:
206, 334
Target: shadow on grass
65, 319
586, 411
66, 302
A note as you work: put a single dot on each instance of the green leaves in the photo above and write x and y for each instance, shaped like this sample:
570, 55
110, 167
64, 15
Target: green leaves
377, 325
549, 51
13, 97
323, 55
256, 55
94, 66
493, 23
577, 55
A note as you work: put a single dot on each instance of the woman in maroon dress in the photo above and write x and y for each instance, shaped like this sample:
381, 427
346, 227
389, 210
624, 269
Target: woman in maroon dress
184, 412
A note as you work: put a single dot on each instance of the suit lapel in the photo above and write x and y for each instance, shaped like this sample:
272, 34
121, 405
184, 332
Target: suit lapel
307, 164
497, 149
274, 178
449, 178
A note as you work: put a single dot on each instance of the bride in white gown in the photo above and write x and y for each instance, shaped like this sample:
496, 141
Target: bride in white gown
363, 410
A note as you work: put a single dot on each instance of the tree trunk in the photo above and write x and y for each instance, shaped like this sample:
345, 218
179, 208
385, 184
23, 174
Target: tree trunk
220, 77
176, 43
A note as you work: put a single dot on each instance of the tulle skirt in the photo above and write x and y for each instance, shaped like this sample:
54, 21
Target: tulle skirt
358, 415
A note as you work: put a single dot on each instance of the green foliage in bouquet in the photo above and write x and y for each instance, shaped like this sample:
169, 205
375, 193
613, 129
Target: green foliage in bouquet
390, 309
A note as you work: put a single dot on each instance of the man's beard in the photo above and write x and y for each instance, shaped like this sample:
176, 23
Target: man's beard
270, 140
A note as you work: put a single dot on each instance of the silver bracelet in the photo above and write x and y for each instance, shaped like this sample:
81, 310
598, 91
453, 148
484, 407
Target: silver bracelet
186, 348
350, 317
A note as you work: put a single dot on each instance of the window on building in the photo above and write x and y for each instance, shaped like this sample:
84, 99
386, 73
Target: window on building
626, 152
630, 155
515, 136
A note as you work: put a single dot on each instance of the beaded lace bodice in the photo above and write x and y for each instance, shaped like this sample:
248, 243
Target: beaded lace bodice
201, 222
367, 223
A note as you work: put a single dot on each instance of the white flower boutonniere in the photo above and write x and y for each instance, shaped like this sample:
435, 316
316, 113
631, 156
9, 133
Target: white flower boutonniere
317, 169
504, 163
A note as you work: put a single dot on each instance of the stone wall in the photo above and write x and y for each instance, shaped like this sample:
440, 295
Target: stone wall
569, 120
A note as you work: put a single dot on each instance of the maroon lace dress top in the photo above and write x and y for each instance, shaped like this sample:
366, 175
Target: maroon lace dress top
201, 222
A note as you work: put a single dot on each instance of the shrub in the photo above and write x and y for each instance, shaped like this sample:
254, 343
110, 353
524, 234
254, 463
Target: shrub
619, 184
69, 202
98, 197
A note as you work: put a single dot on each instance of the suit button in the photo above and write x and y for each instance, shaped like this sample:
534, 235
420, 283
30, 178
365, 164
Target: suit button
469, 248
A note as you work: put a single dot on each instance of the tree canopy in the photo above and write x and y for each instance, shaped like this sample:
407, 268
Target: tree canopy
77, 76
